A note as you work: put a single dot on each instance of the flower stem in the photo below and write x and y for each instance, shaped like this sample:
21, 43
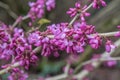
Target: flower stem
78, 14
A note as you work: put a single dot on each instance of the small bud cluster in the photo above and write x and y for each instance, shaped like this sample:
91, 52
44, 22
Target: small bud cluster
37, 9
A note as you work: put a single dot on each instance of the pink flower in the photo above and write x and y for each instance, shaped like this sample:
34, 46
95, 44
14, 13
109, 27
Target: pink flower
88, 67
16, 74
78, 9
117, 34
36, 9
111, 63
95, 41
109, 45
97, 3
118, 26
50, 4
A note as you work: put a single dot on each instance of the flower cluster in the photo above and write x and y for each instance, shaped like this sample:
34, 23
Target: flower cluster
15, 46
50, 4
17, 74
61, 37
109, 45
78, 9
37, 8
98, 3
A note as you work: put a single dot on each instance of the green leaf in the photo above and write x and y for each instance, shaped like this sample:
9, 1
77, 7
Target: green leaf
43, 21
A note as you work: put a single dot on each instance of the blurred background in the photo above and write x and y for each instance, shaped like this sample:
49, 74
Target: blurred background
106, 19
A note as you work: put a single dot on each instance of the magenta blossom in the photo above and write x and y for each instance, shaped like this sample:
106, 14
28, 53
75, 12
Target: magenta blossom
109, 46
36, 9
98, 3
50, 4
78, 9
95, 41
17, 74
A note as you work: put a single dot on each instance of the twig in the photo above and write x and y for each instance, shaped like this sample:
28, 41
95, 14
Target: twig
16, 64
77, 15
99, 59
17, 21
58, 77
95, 60
67, 67
95, 64
10, 67
108, 34
10, 12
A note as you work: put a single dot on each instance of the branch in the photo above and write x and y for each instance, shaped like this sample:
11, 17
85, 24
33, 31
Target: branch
99, 60
58, 77
10, 12
17, 64
17, 21
10, 67
108, 34
78, 14
67, 67
96, 64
